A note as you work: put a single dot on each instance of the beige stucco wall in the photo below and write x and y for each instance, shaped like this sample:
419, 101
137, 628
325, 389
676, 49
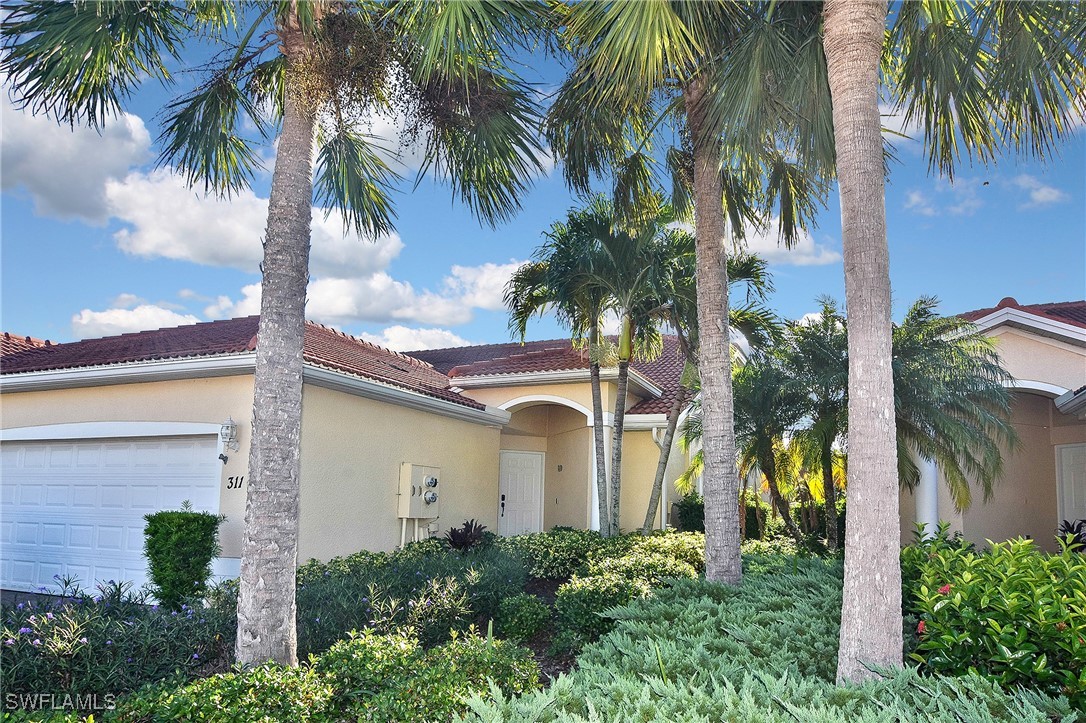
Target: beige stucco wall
567, 491
208, 401
640, 457
1030, 357
579, 393
352, 449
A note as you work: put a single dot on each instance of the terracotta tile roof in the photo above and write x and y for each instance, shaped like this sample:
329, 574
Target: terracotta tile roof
11, 343
1068, 312
323, 346
554, 355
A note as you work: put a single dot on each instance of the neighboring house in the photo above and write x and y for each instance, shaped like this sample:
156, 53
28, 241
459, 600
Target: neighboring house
1043, 346
100, 432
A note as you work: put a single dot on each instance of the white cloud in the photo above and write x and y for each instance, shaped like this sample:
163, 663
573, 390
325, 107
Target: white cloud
941, 197
401, 338
89, 324
65, 169
897, 131
226, 308
1040, 194
167, 219
805, 252
127, 301
481, 286
918, 202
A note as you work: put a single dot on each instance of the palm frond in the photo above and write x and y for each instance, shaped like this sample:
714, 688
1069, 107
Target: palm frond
76, 61
351, 176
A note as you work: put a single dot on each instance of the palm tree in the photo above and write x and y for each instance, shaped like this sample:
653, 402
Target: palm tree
753, 321
952, 401
977, 76
320, 67
556, 280
817, 360
638, 64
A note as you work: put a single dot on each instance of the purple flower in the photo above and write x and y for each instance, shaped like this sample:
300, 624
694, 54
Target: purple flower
83, 640
37, 641
128, 660
195, 656
154, 607
173, 614
24, 631
109, 642
20, 606
10, 641
49, 615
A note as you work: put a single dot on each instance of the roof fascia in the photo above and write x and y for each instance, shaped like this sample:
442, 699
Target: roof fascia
129, 373
1018, 319
370, 389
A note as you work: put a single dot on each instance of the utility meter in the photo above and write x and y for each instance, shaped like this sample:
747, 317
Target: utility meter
419, 491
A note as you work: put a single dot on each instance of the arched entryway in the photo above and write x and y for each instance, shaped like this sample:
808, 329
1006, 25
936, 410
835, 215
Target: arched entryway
546, 471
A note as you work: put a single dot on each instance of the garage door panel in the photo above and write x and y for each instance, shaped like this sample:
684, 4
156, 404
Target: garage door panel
76, 509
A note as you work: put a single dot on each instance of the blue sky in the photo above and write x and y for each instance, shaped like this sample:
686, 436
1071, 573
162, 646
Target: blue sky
96, 240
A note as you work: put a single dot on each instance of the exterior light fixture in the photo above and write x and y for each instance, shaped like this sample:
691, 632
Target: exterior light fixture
228, 433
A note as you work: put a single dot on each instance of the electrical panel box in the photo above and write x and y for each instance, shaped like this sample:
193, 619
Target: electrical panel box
420, 491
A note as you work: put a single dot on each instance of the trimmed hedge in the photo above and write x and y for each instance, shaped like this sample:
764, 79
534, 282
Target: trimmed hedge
179, 546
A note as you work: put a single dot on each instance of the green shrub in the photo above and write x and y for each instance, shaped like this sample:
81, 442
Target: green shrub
649, 567
264, 694
111, 643
580, 604
774, 546
764, 651
179, 546
556, 554
522, 616
390, 589
688, 547
389, 678
691, 513
1014, 613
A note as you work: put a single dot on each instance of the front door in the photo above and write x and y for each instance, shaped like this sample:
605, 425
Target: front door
1071, 470
520, 493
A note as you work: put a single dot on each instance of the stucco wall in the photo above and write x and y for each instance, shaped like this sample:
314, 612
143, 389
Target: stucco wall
566, 491
208, 401
1037, 358
352, 449
1024, 500
640, 456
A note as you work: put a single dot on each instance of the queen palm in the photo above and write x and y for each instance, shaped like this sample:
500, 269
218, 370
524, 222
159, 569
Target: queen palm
639, 66
319, 67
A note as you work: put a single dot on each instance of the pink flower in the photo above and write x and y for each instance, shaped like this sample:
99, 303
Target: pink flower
921, 627
945, 589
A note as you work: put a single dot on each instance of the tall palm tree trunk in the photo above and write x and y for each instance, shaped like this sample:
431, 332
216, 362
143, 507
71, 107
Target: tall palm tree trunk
829, 492
720, 479
770, 471
616, 444
673, 415
871, 609
597, 438
266, 602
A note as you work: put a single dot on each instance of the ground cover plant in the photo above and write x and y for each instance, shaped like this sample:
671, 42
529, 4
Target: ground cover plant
763, 651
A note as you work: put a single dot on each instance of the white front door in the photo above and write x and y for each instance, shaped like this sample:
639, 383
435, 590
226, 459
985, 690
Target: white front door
520, 493
74, 508
1071, 472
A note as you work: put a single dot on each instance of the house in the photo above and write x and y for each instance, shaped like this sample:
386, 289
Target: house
1043, 346
100, 432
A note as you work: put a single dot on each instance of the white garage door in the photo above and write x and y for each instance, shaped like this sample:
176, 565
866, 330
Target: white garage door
75, 508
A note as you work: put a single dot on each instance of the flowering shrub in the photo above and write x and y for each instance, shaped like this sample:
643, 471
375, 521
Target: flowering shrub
1014, 614
113, 642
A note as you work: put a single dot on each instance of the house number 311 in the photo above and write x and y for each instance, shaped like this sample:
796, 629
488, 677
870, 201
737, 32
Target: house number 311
235, 483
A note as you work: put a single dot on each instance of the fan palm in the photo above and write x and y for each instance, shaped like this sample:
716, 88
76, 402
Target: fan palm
977, 77
318, 68
636, 66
